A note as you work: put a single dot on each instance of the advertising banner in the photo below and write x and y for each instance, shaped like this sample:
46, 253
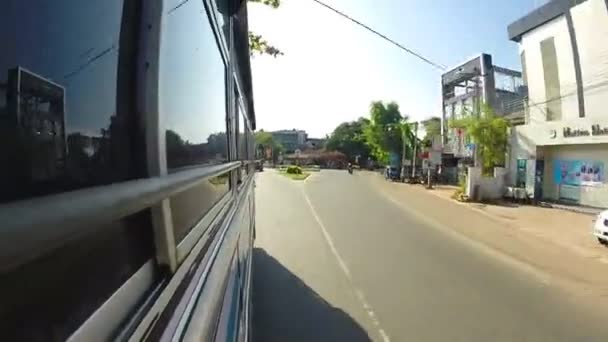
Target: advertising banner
578, 172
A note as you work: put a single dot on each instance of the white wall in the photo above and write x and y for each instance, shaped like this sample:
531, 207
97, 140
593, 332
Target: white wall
530, 43
591, 27
489, 188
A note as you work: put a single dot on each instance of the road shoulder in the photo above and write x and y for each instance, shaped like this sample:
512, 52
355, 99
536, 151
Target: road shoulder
583, 277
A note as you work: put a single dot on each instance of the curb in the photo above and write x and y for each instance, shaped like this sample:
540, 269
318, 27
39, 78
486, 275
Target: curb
471, 207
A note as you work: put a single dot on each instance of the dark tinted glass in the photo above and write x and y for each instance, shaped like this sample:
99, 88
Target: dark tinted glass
242, 140
189, 206
48, 299
66, 115
193, 99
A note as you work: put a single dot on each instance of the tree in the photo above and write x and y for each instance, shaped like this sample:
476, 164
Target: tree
265, 140
259, 45
384, 131
349, 138
490, 135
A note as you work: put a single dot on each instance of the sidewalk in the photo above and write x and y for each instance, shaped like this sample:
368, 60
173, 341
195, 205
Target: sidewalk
564, 228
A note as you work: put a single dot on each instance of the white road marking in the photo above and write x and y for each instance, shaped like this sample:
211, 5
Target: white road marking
359, 294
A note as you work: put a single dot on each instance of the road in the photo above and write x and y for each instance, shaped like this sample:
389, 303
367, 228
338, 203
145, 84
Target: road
338, 259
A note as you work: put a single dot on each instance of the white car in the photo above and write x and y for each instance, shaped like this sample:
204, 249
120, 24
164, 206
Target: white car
600, 228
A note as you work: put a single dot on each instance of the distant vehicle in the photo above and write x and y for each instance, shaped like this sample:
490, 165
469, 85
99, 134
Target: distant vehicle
392, 173
600, 228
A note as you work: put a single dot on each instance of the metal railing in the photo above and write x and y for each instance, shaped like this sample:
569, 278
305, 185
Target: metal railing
31, 228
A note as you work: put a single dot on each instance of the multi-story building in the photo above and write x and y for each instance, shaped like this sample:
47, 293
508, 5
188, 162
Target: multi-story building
291, 139
561, 151
469, 85
315, 143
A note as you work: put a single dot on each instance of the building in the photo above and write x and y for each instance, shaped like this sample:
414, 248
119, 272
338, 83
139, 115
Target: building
315, 143
290, 139
34, 117
561, 151
465, 88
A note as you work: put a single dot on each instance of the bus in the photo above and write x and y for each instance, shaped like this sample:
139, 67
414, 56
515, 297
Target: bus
127, 170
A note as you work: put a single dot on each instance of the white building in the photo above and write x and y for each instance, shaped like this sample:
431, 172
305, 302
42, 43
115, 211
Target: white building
561, 153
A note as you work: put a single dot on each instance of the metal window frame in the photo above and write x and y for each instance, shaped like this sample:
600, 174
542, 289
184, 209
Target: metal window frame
36, 226
117, 308
191, 246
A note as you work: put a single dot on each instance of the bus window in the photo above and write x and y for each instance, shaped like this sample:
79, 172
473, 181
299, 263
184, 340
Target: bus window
190, 206
68, 108
53, 295
192, 88
242, 140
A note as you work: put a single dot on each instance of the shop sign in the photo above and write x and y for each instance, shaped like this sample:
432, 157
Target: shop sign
577, 132
578, 172
596, 130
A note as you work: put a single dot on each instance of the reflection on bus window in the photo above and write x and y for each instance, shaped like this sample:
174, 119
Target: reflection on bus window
52, 296
61, 124
189, 206
192, 97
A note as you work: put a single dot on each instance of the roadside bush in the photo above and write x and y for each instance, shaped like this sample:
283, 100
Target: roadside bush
294, 170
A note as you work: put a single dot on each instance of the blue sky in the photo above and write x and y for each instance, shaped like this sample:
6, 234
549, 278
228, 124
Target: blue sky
332, 69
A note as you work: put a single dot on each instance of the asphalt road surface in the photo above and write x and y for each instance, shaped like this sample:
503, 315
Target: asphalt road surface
337, 260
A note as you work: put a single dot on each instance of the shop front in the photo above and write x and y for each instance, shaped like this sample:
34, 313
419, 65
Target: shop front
562, 162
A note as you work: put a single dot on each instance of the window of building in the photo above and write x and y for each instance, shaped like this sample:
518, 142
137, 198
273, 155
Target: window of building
49, 298
551, 76
67, 97
192, 96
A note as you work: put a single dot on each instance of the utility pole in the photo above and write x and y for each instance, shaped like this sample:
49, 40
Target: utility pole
428, 175
403, 154
414, 154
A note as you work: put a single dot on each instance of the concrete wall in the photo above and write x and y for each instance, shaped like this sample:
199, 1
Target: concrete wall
488, 188
530, 45
590, 21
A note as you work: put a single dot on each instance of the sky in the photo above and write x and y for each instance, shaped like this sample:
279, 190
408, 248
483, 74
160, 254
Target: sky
332, 69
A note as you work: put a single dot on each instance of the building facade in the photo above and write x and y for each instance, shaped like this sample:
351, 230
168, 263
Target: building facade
291, 139
561, 151
469, 85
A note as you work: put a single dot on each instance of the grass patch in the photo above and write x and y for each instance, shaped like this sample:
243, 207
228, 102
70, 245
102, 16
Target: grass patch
299, 177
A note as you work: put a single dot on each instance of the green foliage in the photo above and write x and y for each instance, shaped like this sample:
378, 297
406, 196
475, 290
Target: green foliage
349, 138
264, 140
490, 135
294, 170
271, 3
385, 130
259, 45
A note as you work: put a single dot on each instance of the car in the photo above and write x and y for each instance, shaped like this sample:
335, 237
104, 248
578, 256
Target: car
392, 173
600, 227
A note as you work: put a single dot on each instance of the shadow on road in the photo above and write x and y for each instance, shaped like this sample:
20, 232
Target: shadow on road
286, 309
